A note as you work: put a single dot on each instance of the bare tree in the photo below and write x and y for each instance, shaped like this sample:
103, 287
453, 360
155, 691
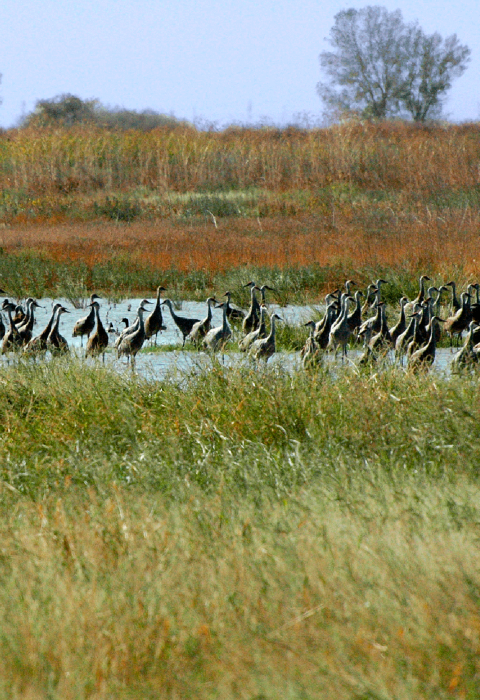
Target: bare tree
382, 67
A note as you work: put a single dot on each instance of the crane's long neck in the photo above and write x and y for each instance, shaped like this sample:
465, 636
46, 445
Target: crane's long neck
432, 341
49, 325
454, 294
97, 316
141, 323
168, 302
31, 317
384, 319
272, 329
56, 322
358, 303
262, 320
13, 327
28, 313
209, 310
225, 322
411, 326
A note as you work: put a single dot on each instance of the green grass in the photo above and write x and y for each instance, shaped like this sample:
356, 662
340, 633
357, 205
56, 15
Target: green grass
238, 533
32, 273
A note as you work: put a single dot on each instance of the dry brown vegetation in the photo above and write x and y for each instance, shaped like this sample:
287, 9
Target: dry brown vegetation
364, 195
437, 242
380, 157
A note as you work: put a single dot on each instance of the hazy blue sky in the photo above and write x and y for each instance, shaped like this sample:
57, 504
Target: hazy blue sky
222, 61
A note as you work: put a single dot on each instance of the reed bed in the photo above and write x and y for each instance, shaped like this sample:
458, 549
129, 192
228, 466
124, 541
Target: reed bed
379, 157
241, 535
304, 258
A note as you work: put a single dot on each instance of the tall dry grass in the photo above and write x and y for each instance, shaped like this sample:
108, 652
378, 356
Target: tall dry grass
384, 157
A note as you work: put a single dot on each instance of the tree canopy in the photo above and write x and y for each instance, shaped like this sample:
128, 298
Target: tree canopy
69, 110
382, 67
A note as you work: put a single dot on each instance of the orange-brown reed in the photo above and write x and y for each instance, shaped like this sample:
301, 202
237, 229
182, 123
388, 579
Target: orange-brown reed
424, 241
387, 156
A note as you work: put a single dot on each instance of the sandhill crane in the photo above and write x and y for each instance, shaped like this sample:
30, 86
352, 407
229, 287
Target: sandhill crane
404, 338
56, 343
260, 332
420, 296
218, 337
264, 348
466, 356
331, 299
382, 340
340, 331
26, 328
234, 315
133, 327
456, 304
112, 332
262, 291
420, 333
428, 328
22, 318
154, 321
476, 306
373, 296
456, 324
323, 327
130, 344
425, 356
201, 328
369, 298
251, 320
86, 324
372, 325
12, 339
401, 325
355, 317
38, 344
438, 301
19, 315
310, 353
183, 323
97, 343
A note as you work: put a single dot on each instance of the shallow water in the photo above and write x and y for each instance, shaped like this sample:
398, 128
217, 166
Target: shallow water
158, 365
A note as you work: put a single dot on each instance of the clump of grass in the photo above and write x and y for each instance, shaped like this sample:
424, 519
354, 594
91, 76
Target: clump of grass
56, 413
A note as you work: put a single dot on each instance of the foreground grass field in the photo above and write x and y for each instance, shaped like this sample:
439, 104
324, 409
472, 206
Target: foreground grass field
239, 535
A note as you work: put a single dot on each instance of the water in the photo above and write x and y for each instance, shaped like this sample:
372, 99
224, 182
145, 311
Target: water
154, 364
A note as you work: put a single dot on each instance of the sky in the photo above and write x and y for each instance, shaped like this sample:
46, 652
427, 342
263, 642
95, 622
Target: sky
215, 62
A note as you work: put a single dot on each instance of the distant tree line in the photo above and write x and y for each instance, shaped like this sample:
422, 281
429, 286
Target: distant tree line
69, 110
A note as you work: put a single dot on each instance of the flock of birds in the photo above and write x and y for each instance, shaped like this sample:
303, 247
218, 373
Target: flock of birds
414, 336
